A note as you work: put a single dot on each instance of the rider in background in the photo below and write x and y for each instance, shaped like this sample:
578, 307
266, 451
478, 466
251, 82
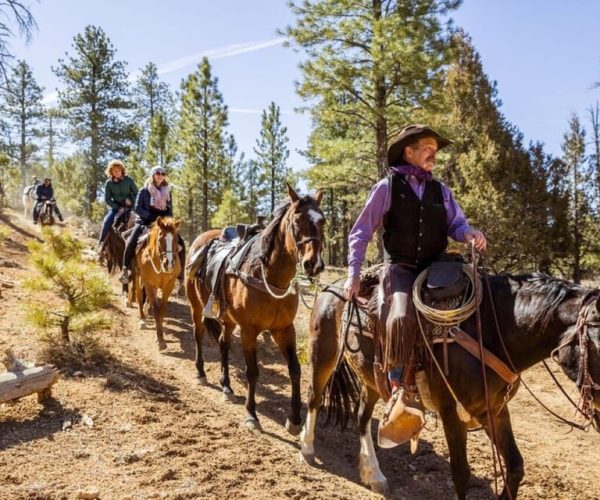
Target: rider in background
44, 192
153, 201
119, 194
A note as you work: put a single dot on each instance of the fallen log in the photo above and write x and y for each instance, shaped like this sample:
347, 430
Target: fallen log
22, 380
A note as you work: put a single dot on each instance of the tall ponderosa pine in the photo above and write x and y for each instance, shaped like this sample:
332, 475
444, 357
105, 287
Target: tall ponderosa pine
159, 148
384, 54
488, 168
51, 132
95, 103
24, 113
201, 139
579, 187
271, 155
152, 97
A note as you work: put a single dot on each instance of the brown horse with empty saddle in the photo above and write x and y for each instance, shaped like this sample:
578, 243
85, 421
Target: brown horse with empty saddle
157, 267
538, 316
260, 295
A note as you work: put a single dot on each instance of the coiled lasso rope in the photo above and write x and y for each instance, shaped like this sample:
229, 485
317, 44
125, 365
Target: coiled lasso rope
449, 317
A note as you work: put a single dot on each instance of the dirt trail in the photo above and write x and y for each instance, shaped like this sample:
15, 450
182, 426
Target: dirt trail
156, 434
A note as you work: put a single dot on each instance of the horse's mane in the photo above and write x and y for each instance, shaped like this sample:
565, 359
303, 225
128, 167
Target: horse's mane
539, 295
265, 245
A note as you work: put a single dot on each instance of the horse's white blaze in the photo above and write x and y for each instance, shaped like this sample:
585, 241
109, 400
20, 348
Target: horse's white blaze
315, 216
307, 438
369, 466
169, 244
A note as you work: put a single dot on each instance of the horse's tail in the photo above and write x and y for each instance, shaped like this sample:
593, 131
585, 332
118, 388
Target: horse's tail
213, 327
341, 397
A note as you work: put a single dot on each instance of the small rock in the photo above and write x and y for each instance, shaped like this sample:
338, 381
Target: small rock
87, 420
88, 493
78, 374
67, 424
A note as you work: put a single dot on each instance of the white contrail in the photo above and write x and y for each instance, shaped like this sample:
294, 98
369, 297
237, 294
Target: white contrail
182, 62
219, 53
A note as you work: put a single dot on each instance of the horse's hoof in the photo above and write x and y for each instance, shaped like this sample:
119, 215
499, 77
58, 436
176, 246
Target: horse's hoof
293, 429
203, 381
162, 345
252, 424
307, 458
228, 395
380, 487
143, 324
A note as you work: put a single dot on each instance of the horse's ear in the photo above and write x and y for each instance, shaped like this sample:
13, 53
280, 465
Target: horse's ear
159, 222
292, 194
177, 222
319, 196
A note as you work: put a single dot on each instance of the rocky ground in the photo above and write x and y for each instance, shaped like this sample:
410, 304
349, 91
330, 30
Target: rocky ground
137, 426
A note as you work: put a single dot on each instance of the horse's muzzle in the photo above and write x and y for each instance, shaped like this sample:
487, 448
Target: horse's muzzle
312, 267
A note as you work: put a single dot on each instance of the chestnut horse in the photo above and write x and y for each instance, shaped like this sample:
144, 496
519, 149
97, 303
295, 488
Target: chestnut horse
157, 267
538, 315
294, 236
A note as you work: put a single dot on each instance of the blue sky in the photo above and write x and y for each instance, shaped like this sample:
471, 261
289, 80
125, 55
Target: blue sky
543, 54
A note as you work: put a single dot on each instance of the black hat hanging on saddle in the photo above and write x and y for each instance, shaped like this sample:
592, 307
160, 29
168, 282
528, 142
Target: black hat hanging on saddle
409, 135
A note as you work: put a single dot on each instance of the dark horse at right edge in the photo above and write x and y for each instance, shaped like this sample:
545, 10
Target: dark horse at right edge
538, 316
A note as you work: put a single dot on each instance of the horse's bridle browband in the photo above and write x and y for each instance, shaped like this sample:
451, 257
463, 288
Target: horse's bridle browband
584, 379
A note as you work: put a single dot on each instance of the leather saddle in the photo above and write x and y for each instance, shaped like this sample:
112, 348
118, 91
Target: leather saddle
142, 240
221, 256
122, 221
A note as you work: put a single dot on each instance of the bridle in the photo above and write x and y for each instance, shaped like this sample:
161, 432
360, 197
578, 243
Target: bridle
580, 333
168, 253
300, 242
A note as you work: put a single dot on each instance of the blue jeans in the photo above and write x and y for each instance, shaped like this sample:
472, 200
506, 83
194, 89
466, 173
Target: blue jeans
109, 218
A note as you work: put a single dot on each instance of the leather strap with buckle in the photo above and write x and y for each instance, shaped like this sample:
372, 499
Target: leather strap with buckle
491, 360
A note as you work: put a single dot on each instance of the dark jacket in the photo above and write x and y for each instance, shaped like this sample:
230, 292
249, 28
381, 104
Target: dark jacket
43, 191
145, 213
115, 193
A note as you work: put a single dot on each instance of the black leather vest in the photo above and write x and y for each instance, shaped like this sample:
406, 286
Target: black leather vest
414, 231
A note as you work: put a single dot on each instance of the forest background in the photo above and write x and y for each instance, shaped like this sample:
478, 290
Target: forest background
367, 69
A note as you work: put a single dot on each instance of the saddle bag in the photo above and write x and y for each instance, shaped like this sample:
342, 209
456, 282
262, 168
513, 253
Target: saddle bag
445, 279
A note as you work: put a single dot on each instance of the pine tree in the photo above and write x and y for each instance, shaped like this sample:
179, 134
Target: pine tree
151, 97
201, 142
14, 13
95, 103
488, 167
78, 289
51, 132
159, 148
24, 112
271, 155
579, 186
384, 54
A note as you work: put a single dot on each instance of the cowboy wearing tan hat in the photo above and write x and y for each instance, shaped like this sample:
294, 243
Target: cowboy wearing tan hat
418, 213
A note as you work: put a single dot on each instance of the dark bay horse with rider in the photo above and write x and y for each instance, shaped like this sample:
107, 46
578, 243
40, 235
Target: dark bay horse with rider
535, 316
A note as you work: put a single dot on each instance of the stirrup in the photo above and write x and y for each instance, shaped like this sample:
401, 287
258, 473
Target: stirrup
403, 419
125, 276
210, 310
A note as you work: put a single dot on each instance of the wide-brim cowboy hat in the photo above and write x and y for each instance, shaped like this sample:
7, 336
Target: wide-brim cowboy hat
410, 135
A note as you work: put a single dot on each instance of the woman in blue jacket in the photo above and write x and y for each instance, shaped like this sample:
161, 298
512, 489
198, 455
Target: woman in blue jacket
153, 201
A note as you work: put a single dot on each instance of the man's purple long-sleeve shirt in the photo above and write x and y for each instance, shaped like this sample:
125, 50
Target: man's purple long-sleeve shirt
378, 204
